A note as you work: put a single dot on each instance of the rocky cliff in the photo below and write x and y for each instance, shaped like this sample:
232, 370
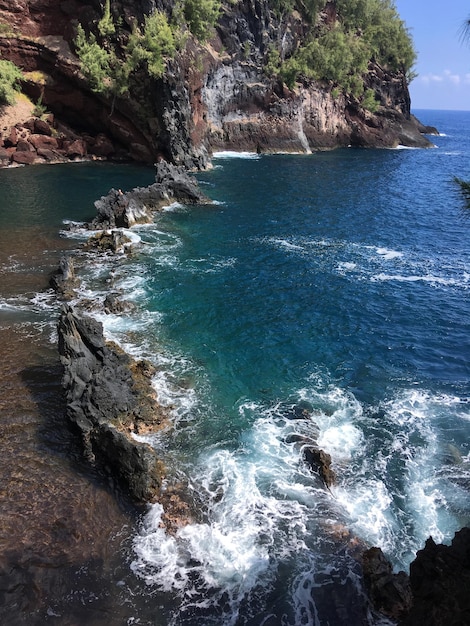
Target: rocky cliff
210, 97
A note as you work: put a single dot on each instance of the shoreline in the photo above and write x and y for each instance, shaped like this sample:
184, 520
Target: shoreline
389, 592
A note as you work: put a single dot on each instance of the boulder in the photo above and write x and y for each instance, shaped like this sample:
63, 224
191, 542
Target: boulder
110, 396
41, 127
320, 462
24, 157
12, 138
24, 146
76, 149
52, 156
43, 142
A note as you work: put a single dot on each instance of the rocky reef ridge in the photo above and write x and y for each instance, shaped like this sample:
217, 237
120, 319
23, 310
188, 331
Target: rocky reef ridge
109, 400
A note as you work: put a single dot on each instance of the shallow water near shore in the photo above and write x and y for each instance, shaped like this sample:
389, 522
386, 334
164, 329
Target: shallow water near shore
322, 298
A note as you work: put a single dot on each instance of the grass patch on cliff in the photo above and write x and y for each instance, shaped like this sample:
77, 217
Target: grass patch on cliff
10, 77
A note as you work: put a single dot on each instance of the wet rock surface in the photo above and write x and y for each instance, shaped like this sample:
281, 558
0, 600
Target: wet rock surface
124, 209
440, 583
110, 397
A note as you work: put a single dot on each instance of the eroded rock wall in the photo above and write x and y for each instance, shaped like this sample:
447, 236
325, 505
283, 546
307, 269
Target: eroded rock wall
211, 97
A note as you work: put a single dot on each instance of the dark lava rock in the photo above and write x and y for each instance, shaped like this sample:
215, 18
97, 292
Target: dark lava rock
64, 281
109, 241
320, 462
110, 396
389, 593
440, 583
114, 304
173, 184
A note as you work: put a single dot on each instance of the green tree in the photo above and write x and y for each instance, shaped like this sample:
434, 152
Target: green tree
201, 16
95, 61
339, 51
10, 76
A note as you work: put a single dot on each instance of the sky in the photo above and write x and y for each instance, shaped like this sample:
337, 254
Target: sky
443, 64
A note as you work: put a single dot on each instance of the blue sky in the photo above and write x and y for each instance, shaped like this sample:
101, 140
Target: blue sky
443, 64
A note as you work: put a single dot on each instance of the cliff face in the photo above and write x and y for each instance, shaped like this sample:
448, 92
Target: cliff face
211, 97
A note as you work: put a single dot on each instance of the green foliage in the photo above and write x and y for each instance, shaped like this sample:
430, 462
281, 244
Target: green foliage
272, 62
39, 108
364, 30
95, 61
106, 25
201, 16
465, 190
336, 56
369, 101
10, 76
151, 46
388, 38
107, 73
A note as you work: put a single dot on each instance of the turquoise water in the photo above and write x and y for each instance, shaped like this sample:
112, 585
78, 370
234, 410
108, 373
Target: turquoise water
335, 284
322, 298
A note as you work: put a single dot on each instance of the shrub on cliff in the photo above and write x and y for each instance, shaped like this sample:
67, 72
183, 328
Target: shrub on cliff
10, 76
343, 40
201, 16
148, 46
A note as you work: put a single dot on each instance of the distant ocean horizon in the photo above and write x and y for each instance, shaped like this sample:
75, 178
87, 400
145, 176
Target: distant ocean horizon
321, 300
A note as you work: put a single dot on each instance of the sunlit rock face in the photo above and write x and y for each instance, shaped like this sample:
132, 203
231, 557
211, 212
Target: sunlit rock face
211, 97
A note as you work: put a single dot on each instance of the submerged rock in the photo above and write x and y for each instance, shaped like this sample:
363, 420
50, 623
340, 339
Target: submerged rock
110, 397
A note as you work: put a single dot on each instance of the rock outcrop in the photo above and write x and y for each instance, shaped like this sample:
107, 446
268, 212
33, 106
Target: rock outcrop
436, 591
211, 97
124, 209
109, 398
440, 583
389, 593
64, 281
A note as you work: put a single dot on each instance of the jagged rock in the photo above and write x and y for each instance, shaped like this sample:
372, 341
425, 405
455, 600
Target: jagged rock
114, 241
320, 462
109, 396
122, 210
440, 583
389, 593
64, 280
114, 304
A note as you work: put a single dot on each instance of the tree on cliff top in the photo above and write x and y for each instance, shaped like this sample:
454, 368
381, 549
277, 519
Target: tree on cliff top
344, 36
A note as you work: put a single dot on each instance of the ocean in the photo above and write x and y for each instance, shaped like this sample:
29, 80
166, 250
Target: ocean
322, 299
